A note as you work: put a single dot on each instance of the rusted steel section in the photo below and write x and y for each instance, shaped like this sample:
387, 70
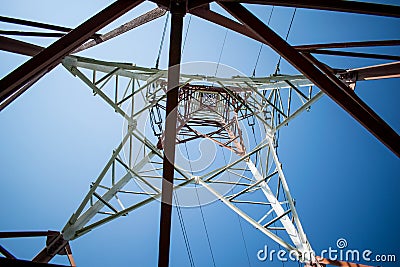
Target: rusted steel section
6, 253
52, 55
348, 45
136, 22
346, 99
382, 71
35, 24
31, 33
19, 47
353, 54
178, 10
332, 5
23, 263
24, 234
55, 244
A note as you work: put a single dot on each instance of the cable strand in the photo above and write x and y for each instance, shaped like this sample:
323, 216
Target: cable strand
201, 210
262, 44
277, 70
162, 41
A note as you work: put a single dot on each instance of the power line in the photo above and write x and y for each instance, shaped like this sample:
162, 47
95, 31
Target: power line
201, 210
220, 54
223, 152
286, 38
261, 46
238, 217
244, 240
205, 226
183, 228
162, 41
186, 33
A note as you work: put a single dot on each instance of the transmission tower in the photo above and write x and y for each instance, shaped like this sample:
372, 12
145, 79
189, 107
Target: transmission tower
171, 110
221, 110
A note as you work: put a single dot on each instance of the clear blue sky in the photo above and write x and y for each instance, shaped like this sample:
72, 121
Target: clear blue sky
57, 137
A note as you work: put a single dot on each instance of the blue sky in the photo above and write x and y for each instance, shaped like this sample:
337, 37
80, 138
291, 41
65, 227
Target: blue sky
57, 137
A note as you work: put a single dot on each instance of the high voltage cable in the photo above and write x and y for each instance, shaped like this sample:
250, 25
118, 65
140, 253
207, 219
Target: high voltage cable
190, 165
183, 228
162, 41
277, 70
186, 33
205, 226
261, 46
286, 38
220, 54
240, 223
201, 209
223, 152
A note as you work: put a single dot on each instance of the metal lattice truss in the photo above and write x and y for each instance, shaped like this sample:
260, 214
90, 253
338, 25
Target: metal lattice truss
221, 110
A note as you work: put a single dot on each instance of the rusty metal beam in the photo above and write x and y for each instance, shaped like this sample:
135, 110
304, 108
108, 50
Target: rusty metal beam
31, 33
348, 45
24, 234
353, 54
6, 253
136, 22
55, 244
192, 4
347, 99
52, 55
4, 262
35, 24
207, 14
23, 48
329, 72
14, 96
332, 5
19, 47
178, 9
71, 259
382, 71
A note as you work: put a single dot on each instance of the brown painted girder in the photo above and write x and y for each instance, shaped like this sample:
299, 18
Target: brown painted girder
331, 5
348, 45
34, 24
52, 55
343, 96
382, 71
4, 262
178, 9
19, 47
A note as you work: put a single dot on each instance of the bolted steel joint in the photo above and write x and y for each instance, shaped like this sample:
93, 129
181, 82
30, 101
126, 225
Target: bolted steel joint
132, 124
196, 179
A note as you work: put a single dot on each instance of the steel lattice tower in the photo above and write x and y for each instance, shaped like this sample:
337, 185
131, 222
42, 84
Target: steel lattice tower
175, 109
220, 111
